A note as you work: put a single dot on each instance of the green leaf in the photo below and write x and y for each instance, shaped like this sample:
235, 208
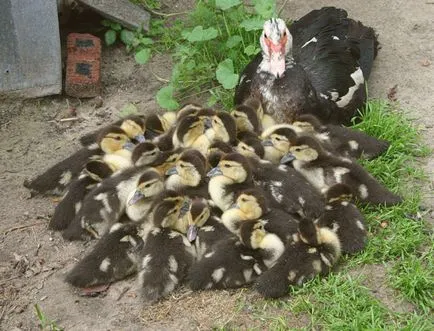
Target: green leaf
110, 37
127, 110
200, 34
165, 98
226, 4
212, 100
115, 26
146, 41
251, 50
143, 56
225, 74
106, 23
127, 36
233, 41
252, 24
265, 8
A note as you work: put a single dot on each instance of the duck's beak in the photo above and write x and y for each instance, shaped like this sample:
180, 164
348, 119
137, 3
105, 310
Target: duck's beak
214, 172
267, 142
136, 197
171, 171
287, 158
192, 232
208, 123
129, 146
140, 138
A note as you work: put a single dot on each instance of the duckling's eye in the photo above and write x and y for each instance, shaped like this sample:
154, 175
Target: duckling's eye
227, 166
147, 185
182, 165
298, 149
215, 121
243, 200
153, 153
278, 139
244, 147
118, 138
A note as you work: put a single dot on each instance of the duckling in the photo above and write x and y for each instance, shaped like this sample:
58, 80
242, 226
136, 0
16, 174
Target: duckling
188, 174
113, 258
254, 236
166, 256
315, 251
106, 203
139, 202
232, 175
166, 160
134, 127
145, 153
189, 133
118, 150
246, 119
345, 141
287, 189
344, 218
187, 110
204, 227
276, 142
324, 170
222, 127
56, 179
94, 172
216, 151
265, 119
250, 145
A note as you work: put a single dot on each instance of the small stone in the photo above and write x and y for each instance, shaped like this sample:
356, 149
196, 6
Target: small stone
384, 224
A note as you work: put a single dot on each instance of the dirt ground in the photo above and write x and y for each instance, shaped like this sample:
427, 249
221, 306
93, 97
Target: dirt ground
33, 261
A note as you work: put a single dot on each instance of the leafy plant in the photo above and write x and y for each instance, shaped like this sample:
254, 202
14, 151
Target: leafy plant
210, 48
134, 41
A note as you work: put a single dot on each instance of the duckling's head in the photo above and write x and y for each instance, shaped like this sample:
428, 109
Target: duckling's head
149, 185
312, 235
250, 145
277, 143
167, 160
197, 216
189, 129
134, 127
216, 151
187, 110
255, 103
189, 169
98, 170
246, 118
223, 127
113, 139
145, 154
155, 125
308, 123
233, 166
252, 233
251, 203
276, 43
170, 210
305, 149
339, 193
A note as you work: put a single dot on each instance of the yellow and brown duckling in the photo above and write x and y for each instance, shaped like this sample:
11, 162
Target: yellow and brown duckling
276, 141
323, 170
265, 119
344, 218
94, 172
216, 151
167, 254
315, 251
232, 175
250, 145
190, 133
56, 179
345, 141
145, 153
188, 174
114, 257
222, 127
106, 203
246, 119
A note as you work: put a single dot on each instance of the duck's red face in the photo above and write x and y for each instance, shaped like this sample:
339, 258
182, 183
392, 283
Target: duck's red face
276, 42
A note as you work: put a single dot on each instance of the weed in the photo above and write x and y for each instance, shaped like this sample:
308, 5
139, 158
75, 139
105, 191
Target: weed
44, 323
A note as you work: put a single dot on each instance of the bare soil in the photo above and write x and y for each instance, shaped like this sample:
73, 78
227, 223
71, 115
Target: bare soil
34, 261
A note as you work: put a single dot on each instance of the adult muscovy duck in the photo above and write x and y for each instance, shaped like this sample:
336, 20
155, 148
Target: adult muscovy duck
318, 66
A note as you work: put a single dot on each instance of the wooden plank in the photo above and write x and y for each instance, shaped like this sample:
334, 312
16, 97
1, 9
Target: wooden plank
124, 12
30, 58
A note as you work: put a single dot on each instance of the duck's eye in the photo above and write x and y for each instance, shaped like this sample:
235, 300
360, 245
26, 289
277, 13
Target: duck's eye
243, 200
215, 121
147, 185
182, 165
227, 166
298, 149
153, 153
265, 35
284, 33
278, 139
244, 147
118, 138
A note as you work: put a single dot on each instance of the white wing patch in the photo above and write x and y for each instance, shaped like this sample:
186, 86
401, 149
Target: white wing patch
105, 264
358, 79
313, 40
363, 190
65, 178
217, 274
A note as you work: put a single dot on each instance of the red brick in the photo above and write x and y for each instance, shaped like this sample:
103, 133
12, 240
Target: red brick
83, 45
83, 66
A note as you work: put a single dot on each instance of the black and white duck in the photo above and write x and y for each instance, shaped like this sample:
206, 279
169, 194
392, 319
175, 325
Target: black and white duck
318, 66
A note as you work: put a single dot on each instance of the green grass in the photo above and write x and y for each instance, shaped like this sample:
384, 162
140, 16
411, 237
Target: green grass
45, 324
398, 237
